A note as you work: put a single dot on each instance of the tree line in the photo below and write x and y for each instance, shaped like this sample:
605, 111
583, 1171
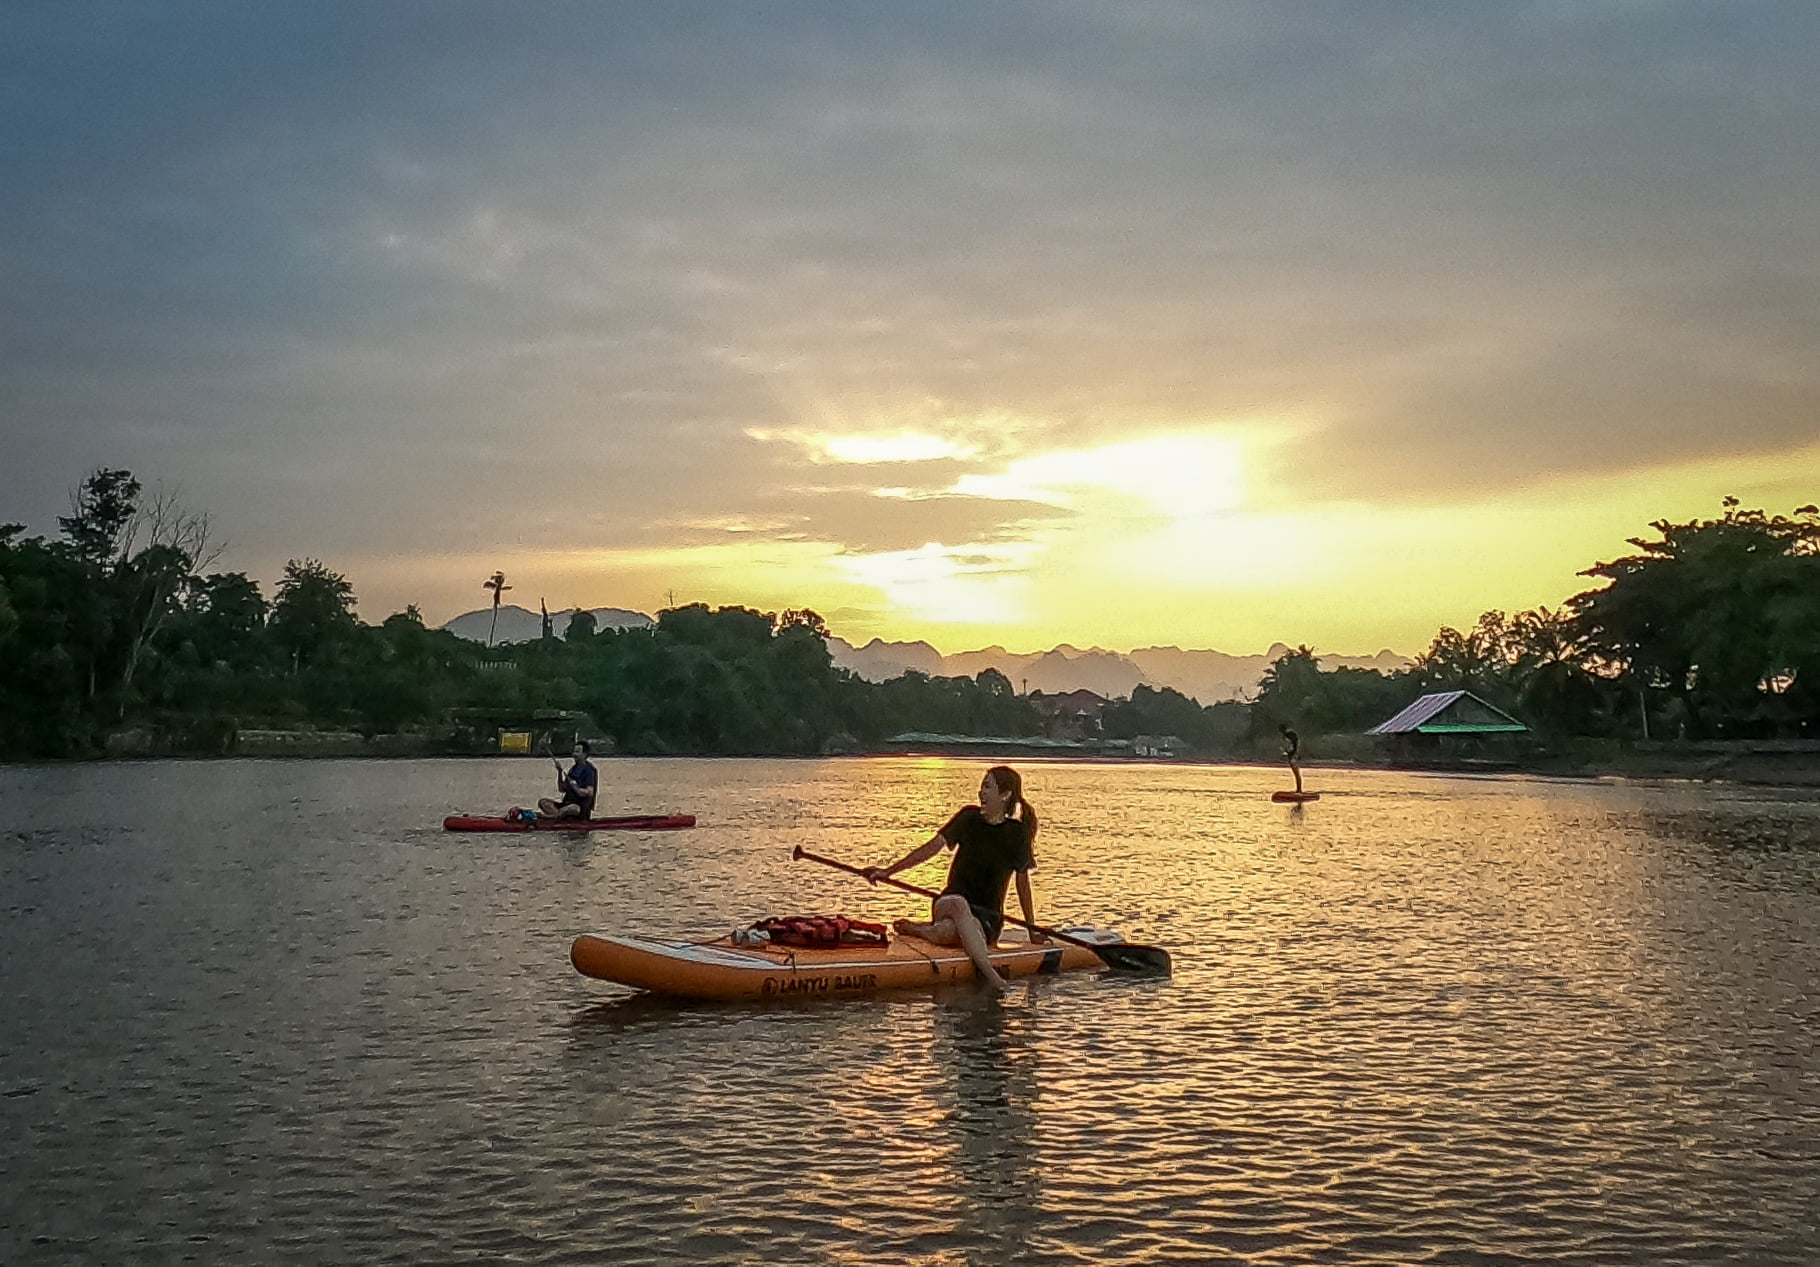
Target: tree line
117, 625
1712, 629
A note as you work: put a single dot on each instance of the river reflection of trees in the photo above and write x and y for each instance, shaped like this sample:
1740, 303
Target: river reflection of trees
992, 1124
1773, 846
1774, 828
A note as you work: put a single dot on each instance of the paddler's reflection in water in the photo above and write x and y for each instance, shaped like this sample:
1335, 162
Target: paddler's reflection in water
992, 1122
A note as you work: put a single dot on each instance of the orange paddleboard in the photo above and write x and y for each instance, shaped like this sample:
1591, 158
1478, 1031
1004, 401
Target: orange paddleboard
726, 969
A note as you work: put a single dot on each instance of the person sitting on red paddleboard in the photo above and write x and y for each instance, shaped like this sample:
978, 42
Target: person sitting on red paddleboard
578, 787
992, 842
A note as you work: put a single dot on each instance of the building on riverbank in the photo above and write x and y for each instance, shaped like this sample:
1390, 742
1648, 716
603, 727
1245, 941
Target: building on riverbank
1448, 727
925, 743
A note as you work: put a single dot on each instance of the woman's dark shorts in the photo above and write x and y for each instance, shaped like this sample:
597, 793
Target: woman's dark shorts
992, 922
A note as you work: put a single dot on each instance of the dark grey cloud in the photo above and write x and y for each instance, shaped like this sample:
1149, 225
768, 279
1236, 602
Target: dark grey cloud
340, 269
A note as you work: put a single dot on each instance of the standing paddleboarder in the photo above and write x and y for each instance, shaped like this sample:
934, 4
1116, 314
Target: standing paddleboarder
1292, 744
991, 842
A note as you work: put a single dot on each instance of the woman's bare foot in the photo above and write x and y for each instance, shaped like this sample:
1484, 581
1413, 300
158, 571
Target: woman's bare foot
910, 928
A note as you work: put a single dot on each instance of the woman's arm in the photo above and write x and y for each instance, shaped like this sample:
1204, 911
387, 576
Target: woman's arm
915, 858
1028, 901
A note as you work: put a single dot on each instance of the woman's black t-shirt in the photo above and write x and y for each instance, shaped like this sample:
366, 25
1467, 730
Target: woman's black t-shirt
985, 856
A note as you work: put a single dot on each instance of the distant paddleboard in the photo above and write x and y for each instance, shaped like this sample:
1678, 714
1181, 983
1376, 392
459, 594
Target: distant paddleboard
633, 822
1294, 798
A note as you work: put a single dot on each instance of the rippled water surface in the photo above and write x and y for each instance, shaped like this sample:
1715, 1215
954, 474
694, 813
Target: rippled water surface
268, 1011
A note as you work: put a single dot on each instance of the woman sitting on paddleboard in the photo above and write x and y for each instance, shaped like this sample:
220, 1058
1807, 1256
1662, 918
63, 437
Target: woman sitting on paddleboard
990, 846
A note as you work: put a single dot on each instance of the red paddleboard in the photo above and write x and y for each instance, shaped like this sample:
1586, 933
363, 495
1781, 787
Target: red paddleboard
634, 822
1294, 798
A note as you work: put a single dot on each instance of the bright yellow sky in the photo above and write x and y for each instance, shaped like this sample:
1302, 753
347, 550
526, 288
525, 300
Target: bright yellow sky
1165, 540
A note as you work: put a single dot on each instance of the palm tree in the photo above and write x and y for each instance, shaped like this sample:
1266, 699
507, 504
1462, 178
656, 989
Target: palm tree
496, 583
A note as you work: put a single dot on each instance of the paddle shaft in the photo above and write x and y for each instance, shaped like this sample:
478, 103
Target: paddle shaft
561, 781
930, 893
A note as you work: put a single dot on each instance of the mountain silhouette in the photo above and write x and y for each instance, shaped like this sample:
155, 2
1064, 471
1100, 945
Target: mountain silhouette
518, 625
1207, 676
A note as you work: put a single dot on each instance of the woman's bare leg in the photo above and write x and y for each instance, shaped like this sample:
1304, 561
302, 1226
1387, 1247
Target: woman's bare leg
954, 911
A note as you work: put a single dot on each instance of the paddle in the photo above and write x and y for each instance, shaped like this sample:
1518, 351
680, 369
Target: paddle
543, 749
1123, 956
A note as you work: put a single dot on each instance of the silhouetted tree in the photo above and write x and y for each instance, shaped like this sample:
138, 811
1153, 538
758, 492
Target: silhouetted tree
802, 617
581, 627
313, 613
101, 509
1722, 615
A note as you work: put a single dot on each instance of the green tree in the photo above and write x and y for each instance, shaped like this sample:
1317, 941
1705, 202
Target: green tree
1297, 692
224, 616
1555, 688
1480, 660
1288, 688
729, 631
1720, 615
49, 672
313, 613
1166, 711
146, 590
803, 618
994, 683
9, 619
101, 509
581, 627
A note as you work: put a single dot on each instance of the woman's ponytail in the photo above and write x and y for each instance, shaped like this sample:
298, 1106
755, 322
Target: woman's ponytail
1026, 814
1011, 783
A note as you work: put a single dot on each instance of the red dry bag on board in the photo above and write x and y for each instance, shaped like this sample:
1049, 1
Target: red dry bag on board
821, 931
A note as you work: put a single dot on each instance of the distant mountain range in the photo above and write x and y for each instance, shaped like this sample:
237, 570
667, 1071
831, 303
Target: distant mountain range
1207, 676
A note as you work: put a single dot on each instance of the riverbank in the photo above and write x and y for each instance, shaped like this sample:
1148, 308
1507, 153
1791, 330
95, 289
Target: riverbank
1794, 763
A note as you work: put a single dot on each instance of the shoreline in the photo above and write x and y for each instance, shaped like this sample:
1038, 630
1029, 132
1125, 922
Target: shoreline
1784, 763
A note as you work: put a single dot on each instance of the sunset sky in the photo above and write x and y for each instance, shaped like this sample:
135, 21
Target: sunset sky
1114, 324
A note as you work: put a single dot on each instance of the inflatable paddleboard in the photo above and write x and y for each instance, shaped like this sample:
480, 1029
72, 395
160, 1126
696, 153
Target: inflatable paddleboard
729, 969
633, 822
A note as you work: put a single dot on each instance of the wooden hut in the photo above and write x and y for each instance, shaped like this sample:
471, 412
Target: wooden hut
1449, 727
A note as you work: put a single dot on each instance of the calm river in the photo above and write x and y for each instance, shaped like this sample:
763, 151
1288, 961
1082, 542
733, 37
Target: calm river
267, 1011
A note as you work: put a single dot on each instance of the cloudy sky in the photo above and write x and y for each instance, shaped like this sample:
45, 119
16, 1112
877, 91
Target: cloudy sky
1214, 324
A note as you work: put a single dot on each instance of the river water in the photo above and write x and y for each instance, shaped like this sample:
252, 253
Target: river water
267, 1011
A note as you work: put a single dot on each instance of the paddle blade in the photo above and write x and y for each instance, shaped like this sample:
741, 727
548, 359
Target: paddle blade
1146, 960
